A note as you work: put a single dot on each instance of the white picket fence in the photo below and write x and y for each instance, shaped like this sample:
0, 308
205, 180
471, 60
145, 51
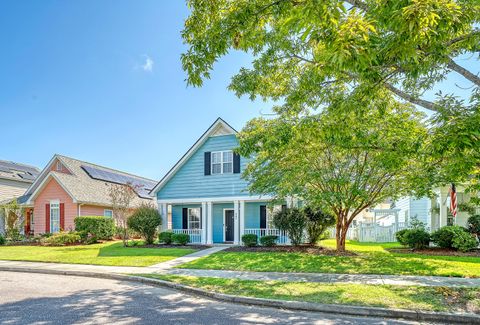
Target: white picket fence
195, 234
261, 232
372, 232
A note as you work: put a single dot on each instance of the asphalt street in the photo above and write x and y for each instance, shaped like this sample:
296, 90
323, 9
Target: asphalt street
29, 298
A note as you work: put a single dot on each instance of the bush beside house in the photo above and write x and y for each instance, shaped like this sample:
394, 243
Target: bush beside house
145, 220
250, 240
92, 228
180, 239
165, 237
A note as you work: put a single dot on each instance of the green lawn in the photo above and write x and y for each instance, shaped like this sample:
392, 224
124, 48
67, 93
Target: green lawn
401, 297
372, 258
109, 253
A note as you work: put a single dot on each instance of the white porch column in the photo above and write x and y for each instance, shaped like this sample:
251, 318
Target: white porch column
443, 207
164, 214
204, 222
209, 224
236, 222
242, 218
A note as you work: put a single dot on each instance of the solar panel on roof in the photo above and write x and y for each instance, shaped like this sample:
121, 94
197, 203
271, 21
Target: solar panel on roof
12, 167
26, 176
140, 185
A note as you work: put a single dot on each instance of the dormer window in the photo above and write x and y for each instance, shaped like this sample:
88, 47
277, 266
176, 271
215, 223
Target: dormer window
222, 162
58, 166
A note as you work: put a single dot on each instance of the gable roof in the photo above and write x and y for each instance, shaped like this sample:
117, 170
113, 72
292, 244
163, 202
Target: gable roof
219, 127
18, 172
81, 186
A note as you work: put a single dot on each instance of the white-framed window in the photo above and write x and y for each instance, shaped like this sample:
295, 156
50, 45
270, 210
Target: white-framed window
108, 213
58, 166
222, 162
54, 216
194, 218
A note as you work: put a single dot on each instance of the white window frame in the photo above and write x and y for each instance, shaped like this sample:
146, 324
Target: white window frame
58, 166
189, 221
105, 213
54, 224
222, 161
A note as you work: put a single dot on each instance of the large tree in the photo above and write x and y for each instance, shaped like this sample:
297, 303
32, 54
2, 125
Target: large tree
342, 161
308, 54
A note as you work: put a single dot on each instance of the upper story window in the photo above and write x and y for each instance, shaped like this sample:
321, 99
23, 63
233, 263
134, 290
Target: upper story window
58, 166
222, 162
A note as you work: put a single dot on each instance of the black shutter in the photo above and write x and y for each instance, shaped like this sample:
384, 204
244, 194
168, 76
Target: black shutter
263, 216
185, 218
207, 163
236, 163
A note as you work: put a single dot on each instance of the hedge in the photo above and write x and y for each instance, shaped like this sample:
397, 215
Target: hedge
99, 227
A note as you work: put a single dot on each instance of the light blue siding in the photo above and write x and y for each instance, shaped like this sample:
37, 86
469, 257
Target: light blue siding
190, 181
411, 207
252, 214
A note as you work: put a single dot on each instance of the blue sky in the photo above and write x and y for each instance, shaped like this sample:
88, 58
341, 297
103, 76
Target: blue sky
102, 81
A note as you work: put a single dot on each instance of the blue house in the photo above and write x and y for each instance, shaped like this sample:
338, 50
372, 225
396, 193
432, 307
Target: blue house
205, 197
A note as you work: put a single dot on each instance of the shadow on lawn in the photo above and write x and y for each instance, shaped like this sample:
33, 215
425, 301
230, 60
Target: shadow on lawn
117, 249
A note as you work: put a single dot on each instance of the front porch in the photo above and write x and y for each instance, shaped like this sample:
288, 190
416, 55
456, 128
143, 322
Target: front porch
220, 221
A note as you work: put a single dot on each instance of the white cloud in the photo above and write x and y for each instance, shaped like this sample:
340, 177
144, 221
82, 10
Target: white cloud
148, 64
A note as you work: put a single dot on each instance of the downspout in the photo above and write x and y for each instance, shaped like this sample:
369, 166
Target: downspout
79, 212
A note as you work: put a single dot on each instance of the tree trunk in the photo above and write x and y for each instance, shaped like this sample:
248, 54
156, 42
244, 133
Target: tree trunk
341, 233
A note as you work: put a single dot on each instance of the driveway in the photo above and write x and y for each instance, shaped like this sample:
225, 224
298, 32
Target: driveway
28, 298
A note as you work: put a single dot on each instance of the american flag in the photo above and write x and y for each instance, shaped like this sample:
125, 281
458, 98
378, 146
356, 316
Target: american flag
453, 200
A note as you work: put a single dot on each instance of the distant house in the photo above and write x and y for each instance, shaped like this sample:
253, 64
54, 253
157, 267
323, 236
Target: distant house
204, 195
15, 178
67, 188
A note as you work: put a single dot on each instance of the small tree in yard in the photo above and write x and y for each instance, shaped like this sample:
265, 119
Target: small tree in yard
145, 220
121, 197
317, 223
292, 221
14, 219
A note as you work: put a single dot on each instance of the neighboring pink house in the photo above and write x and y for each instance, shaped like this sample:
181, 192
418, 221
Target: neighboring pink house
67, 188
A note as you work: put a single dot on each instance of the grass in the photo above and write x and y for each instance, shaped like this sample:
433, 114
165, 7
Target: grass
109, 253
372, 258
400, 297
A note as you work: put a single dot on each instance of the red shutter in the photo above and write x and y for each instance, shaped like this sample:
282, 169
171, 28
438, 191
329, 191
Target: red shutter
62, 216
47, 217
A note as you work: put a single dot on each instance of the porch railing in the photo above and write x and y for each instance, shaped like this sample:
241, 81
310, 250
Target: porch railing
195, 234
261, 232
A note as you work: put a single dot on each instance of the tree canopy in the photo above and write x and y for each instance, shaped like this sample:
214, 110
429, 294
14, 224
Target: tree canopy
342, 161
312, 54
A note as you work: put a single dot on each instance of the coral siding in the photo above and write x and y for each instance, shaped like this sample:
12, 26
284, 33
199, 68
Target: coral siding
63, 170
92, 210
53, 191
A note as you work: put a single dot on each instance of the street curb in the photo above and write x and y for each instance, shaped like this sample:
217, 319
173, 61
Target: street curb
449, 318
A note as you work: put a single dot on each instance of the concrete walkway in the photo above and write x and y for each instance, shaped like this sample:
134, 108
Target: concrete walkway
169, 268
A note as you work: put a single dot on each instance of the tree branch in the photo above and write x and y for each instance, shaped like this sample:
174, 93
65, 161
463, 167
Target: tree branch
464, 72
412, 99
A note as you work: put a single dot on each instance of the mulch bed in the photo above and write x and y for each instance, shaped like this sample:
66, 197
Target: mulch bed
199, 247
434, 251
313, 250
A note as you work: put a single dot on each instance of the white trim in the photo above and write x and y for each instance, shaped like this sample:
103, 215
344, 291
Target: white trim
236, 223
217, 199
199, 218
44, 173
242, 219
224, 222
204, 222
44, 183
209, 223
211, 130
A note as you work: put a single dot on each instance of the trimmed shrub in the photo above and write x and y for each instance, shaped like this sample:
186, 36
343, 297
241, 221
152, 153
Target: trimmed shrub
317, 224
417, 238
145, 220
14, 234
293, 221
474, 224
181, 239
62, 239
464, 241
268, 241
2, 240
444, 236
250, 240
165, 237
98, 227
399, 235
